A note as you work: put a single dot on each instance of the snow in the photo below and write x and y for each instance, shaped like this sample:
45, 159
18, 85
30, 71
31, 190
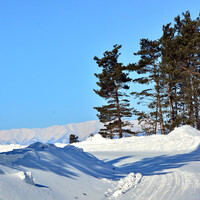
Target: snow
154, 167
10, 147
184, 131
183, 138
124, 185
53, 134
25, 176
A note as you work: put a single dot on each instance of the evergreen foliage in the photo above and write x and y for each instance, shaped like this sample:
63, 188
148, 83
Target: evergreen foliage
73, 138
113, 82
171, 68
149, 67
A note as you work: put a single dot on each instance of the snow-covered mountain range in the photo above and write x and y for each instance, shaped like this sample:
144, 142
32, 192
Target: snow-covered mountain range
53, 134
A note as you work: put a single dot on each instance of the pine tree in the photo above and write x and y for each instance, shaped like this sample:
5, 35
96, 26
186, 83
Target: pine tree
113, 82
171, 76
190, 62
149, 67
73, 138
171, 67
181, 61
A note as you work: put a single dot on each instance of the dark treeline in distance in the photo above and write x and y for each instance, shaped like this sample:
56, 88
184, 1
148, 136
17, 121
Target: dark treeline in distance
169, 70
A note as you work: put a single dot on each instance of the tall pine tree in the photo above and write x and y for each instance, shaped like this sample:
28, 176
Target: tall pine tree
181, 61
149, 67
171, 67
113, 82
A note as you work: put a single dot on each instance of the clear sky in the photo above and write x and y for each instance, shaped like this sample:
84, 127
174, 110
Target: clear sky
47, 49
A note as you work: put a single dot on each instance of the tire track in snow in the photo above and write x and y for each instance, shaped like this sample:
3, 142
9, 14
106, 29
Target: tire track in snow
170, 186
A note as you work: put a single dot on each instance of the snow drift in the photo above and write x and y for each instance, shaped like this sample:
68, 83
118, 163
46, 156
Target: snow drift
58, 160
182, 138
44, 171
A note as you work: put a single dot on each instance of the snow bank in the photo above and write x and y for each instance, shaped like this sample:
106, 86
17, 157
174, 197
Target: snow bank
184, 131
124, 185
38, 146
10, 147
26, 176
57, 160
181, 139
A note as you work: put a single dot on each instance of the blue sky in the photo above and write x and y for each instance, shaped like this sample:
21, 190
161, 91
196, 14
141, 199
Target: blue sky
47, 49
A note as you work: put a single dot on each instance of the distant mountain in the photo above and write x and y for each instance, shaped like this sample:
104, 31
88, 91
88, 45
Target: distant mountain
53, 134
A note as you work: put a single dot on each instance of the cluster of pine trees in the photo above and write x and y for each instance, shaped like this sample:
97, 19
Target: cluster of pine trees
169, 70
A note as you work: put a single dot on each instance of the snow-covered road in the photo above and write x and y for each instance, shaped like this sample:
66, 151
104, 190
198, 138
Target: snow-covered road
164, 177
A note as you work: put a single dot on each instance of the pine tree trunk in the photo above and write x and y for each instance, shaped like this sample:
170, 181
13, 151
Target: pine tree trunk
159, 106
190, 95
169, 91
118, 115
158, 95
196, 107
196, 103
161, 116
111, 135
172, 102
156, 121
176, 102
119, 121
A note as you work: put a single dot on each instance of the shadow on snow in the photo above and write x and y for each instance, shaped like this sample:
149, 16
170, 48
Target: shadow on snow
70, 161
159, 164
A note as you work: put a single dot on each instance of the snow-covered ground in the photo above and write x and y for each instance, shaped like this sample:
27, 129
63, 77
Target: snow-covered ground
183, 138
135, 168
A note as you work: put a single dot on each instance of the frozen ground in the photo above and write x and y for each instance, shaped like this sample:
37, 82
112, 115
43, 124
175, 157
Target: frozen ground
138, 168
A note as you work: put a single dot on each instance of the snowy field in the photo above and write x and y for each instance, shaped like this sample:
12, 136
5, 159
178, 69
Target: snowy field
137, 168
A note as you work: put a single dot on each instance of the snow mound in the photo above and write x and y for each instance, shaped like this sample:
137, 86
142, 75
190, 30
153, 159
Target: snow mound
96, 138
38, 146
184, 131
26, 176
65, 161
10, 147
124, 185
181, 139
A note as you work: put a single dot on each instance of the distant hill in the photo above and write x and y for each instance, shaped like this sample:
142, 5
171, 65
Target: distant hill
53, 134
